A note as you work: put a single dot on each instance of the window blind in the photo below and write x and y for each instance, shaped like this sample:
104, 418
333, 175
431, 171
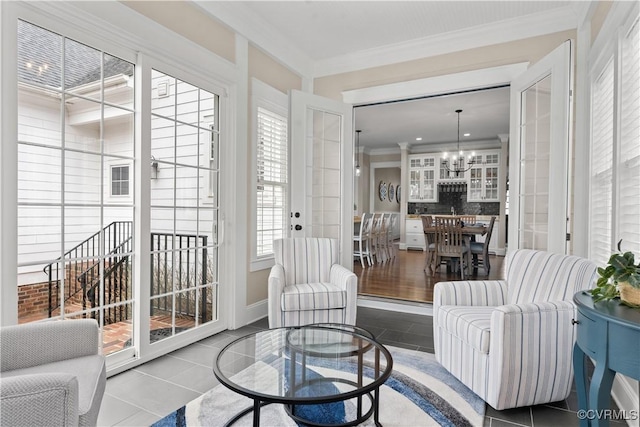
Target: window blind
271, 183
602, 97
628, 168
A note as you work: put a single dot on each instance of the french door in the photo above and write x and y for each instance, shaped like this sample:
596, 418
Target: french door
539, 152
119, 204
322, 169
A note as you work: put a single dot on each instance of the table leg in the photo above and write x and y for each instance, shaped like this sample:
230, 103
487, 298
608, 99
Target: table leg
580, 377
256, 413
600, 393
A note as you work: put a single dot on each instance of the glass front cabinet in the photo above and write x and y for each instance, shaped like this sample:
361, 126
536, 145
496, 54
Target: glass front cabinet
484, 178
422, 178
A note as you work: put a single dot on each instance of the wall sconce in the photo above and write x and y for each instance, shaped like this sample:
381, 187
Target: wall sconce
154, 168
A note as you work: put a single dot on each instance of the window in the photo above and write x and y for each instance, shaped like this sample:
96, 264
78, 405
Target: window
615, 146
120, 180
271, 172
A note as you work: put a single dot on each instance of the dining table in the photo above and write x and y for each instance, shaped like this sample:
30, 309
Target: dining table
469, 232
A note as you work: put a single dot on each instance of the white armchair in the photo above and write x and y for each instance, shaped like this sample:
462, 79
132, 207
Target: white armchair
51, 374
308, 285
511, 341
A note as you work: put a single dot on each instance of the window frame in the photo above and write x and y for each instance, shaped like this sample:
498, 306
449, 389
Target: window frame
121, 181
607, 50
271, 99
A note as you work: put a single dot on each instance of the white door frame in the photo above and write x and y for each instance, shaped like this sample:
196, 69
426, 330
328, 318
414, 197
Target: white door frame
457, 82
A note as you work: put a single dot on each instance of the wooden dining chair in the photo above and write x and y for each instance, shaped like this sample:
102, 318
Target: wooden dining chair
482, 249
430, 244
468, 219
451, 244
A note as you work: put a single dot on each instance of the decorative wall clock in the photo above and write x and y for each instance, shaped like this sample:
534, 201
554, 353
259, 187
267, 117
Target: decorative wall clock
382, 191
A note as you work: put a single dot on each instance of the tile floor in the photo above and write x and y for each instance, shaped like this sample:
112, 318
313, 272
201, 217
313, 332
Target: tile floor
145, 394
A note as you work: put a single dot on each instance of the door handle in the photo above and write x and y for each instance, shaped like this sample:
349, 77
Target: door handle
298, 227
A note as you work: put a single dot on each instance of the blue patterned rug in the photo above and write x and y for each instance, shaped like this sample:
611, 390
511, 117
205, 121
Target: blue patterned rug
420, 392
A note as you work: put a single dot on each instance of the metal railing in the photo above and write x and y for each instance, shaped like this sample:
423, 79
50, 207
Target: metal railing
74, 265
178, 263
178, 270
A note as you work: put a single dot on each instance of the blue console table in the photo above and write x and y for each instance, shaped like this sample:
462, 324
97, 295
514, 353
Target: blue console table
609, 333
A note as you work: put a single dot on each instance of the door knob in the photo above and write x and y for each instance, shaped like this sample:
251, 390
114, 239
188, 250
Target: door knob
298, 227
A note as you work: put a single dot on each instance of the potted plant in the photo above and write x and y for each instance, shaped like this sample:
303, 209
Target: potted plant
619, 279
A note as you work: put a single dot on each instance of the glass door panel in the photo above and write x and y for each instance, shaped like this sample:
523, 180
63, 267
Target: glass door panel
75, 184
184, 220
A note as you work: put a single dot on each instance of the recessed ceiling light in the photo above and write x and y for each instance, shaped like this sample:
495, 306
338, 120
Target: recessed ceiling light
418, 139
467, 134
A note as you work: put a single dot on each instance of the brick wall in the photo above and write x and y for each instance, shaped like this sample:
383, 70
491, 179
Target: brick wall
33, 299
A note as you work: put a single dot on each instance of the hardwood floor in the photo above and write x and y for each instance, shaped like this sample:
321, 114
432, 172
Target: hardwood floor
405, 279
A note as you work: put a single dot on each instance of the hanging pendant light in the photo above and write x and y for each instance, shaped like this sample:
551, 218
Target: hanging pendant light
358, 152
457, 165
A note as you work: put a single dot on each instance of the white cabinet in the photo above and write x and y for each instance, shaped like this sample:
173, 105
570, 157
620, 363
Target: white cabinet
414, 235
484, 177
422, 178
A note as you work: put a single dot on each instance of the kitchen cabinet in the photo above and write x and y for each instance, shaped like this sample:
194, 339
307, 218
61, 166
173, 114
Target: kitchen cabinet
414, 234
423, 186
484, 178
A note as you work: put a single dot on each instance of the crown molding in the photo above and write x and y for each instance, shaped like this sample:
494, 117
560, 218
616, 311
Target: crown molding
245, 22
533, 25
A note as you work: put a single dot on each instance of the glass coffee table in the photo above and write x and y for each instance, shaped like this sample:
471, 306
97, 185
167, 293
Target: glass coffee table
309, 365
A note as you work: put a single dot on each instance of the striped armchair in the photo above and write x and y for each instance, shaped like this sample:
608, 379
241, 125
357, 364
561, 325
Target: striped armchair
511, 341
307, 285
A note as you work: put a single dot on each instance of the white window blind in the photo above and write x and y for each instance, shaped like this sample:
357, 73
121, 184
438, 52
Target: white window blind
602, 91
628, 213
272, 186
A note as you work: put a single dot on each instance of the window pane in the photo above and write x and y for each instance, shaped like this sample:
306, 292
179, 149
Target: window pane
39, 56
82, 70
119, 81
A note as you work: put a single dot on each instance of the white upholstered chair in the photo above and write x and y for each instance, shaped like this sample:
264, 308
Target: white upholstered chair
511, 341
308, 285
52, 374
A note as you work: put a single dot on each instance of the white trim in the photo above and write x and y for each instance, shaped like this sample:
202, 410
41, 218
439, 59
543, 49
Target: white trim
533, 25
457, 82
390, 305
8, 166
625, 394
255, 312
245, 22
235, 190
252, 27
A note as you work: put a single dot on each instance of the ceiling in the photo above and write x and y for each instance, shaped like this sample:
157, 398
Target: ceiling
318, 38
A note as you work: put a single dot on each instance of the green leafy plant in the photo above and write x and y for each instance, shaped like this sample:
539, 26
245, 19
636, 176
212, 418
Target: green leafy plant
620, 269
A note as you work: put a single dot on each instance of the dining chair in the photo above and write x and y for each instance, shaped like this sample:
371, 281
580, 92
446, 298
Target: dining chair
361, 240
468, 219
390, 242
451, 244
430, 244
482, 249
376, 237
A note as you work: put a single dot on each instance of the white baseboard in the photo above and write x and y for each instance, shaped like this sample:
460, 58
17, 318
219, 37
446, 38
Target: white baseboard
255, 312
424, 309
625, 393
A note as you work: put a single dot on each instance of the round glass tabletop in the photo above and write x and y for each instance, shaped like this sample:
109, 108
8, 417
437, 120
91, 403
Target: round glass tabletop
310, 364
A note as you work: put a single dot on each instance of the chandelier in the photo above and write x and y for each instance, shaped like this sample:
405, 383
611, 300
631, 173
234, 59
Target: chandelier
457, 164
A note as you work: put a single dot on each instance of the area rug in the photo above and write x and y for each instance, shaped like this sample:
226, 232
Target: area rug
420, 392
